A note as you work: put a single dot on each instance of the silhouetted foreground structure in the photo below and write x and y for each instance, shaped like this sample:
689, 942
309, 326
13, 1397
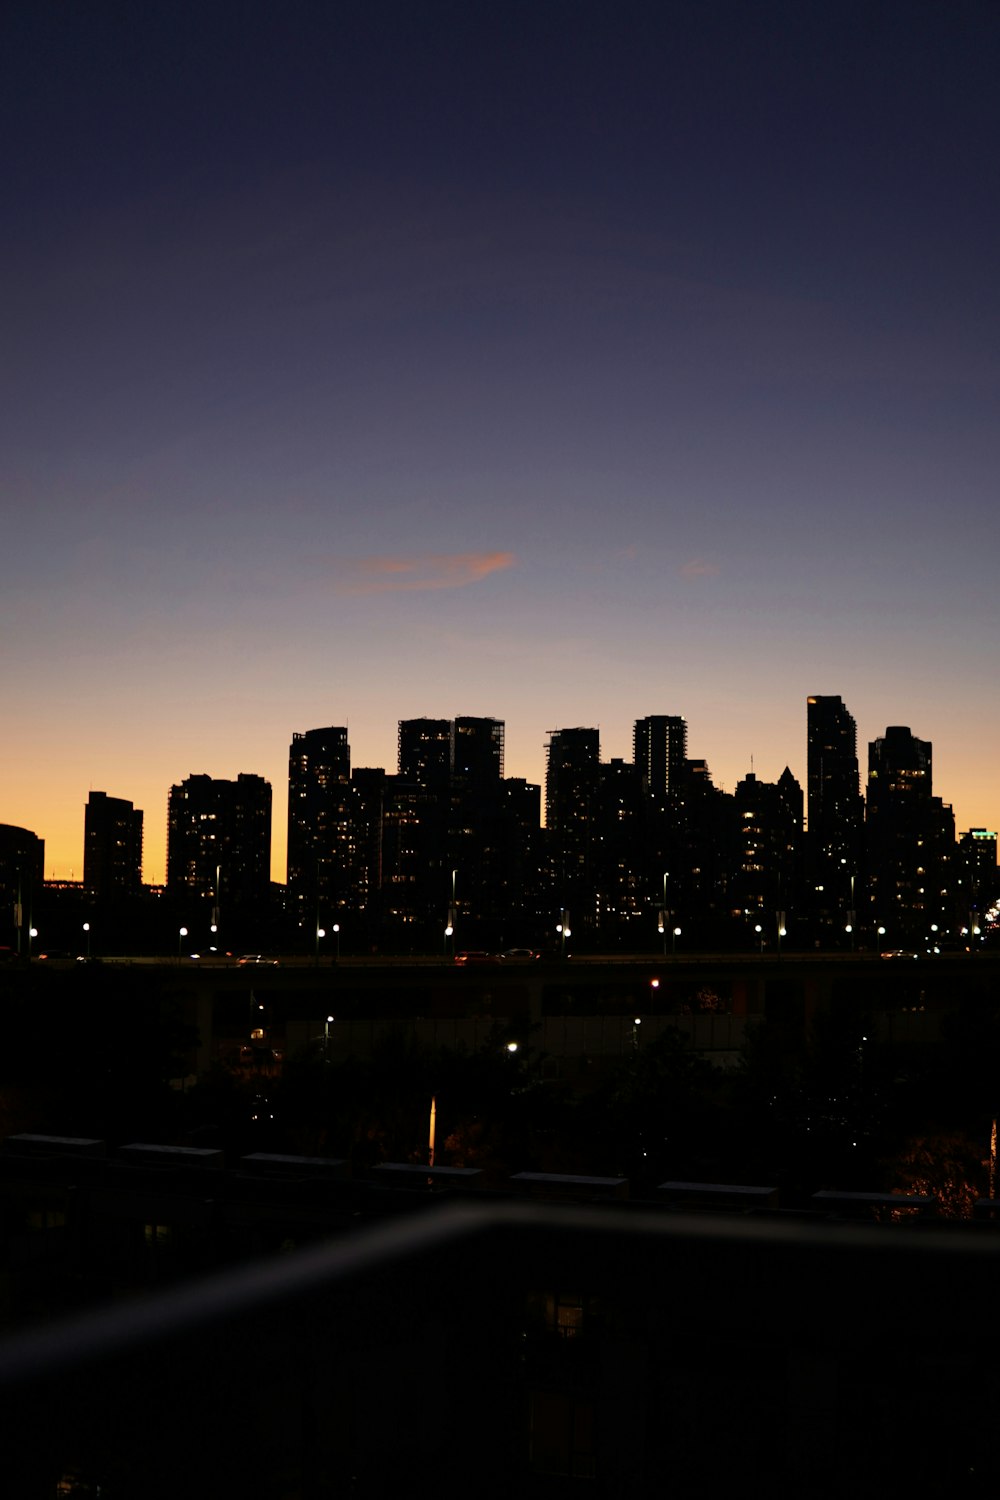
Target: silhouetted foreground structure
523, 1350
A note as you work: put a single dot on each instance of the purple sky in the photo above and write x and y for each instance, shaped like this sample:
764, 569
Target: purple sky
558, 361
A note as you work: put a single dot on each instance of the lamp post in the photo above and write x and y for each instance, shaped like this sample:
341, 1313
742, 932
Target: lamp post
758, 929
673, 941
851, 914
320, 933
563, 929
336, 932
86, 928
326, 1038
452, 918
182, 933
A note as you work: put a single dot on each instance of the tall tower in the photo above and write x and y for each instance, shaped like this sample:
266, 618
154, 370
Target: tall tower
833, 800
901, 830
320, 841
425, 752
112, 847
477, 753
219, 839
659, 751
572, 791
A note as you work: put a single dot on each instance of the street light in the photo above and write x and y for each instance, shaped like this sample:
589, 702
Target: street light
86, 928
336, 933
664, 914
326, 1038
758, 929
182, 933
673, 943
320, 933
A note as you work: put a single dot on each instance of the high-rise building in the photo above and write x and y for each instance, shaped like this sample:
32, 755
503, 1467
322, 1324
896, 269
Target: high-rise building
904, 832
22, 869
659, 752
977, 859
621, 863
477, 754
112, 847
321, 874
768, 833
834, 808
219, 839
572, 790
976, 883
425, 752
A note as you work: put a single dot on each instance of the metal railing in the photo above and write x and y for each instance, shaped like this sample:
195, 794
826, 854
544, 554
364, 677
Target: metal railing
810, 1357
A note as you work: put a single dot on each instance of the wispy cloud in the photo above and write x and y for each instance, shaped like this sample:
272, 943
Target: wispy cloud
439, 570
697, 568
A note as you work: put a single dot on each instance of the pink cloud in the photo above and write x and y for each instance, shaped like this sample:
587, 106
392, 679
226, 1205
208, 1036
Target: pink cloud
448, 570
696, 568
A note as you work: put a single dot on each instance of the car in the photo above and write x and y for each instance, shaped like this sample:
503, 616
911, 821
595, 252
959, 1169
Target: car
520, 955
255, 958
476, 958
899, 953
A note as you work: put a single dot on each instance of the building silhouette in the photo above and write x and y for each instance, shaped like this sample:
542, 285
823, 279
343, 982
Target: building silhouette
22, 871
768, 829
834, 807
976, 870
219, 841
321, 865
910, 838
112, 848
572, 790
659, 753
425, 748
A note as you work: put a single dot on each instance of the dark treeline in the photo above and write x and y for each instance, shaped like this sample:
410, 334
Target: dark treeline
97, 1053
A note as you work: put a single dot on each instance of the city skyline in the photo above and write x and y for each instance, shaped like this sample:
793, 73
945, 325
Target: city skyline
552, 362
279, 788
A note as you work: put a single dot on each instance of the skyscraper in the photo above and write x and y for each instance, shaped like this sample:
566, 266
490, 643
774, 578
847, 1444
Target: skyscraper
425, 752
22, 869
477, 753
834, 806
659, 751
320, 827
902, 832
112, 847
219, 839
572, 789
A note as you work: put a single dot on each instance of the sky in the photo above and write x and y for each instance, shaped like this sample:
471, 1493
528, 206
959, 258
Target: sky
548, 360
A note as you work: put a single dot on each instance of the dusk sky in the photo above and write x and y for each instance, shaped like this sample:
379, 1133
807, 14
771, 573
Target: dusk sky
560, 362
